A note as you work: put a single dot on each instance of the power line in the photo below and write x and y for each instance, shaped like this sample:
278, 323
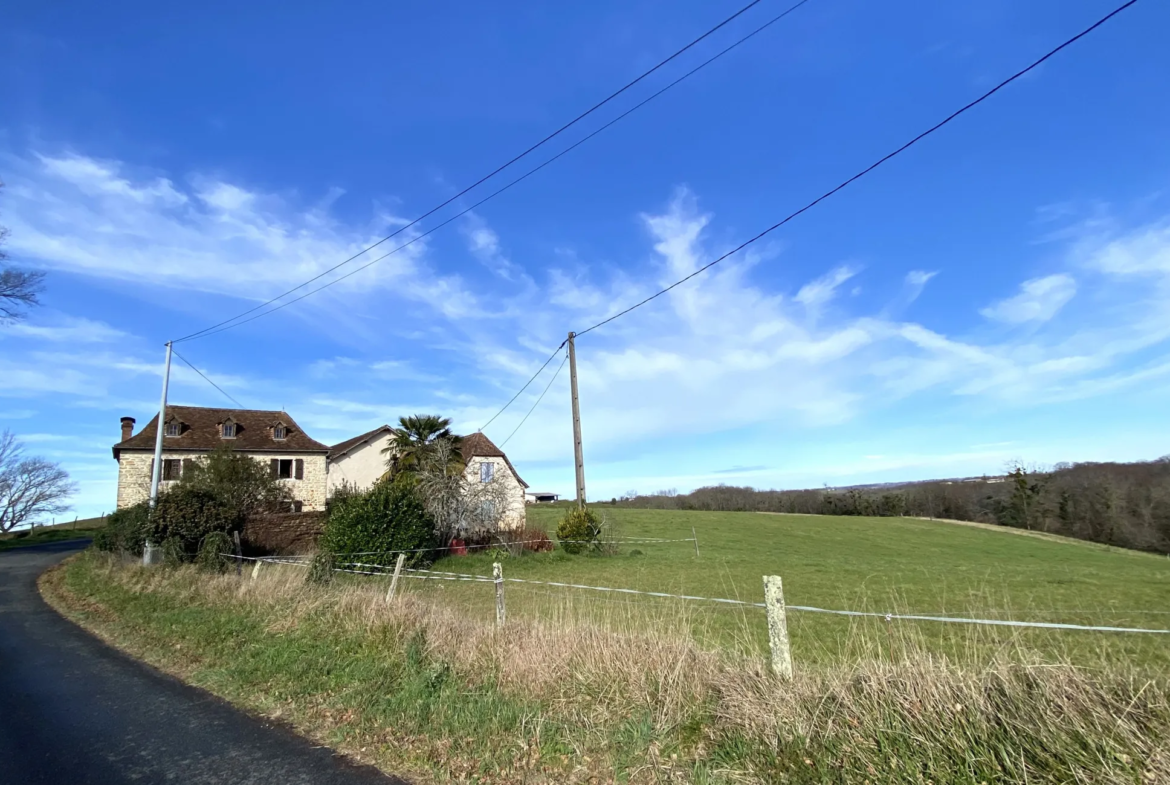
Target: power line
538, 400
213, 384
829, 193
871, 167
525, 387
233, 323
491, 174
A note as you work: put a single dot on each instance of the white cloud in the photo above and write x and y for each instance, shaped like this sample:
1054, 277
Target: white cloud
1038, 301
1142, 253
88, 216
71, 329
724, 354
819, 292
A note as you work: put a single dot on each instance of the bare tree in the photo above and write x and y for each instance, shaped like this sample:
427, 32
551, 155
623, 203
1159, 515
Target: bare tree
29, 487
460, 506
18, 288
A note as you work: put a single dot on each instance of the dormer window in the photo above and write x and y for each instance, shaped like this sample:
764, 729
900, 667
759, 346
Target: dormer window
280, 433
228, 430
174, 428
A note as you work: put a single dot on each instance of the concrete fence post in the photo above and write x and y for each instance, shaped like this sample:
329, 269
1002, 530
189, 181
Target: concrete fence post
498, 577
256, 570
394, 579
239, 554
777, 627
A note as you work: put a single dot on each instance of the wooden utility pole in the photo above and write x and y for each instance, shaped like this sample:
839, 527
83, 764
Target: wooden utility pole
577, 453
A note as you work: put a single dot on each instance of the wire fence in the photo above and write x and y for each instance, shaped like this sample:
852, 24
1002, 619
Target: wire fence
371, 569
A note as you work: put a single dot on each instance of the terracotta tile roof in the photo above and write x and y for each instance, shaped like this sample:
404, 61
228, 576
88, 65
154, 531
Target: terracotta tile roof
477, 445
201, 429
341, 448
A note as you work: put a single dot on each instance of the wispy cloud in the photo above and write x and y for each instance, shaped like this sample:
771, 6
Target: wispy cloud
817, 293
1039, 300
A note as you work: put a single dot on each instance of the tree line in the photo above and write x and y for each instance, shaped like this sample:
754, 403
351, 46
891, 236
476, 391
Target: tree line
1123, 504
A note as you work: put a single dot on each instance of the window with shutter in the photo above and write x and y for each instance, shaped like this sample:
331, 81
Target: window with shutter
487, 470
171, 468
284, 468
300, 470
187, 465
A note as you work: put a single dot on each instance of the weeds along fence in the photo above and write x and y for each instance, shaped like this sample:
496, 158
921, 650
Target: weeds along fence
774, 605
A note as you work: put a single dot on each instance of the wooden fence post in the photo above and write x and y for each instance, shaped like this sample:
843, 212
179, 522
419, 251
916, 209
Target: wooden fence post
394, 579
696, 539
498, 577
239, 554
777, 627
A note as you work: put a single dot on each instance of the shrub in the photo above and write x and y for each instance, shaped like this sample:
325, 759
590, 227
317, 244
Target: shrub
320, 570
389, 517
125, 530
190, 514
173, 552
578, 530
530, 539
239, 483
211, 550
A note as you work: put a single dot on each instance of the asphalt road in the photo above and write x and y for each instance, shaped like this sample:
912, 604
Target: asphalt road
74, 711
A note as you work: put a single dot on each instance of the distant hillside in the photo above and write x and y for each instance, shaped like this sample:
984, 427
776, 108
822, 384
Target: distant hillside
1123, 504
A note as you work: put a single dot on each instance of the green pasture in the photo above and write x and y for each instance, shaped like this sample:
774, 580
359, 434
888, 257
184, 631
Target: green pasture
883, 565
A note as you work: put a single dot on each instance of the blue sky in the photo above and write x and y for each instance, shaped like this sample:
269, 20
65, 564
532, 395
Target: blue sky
1001, 291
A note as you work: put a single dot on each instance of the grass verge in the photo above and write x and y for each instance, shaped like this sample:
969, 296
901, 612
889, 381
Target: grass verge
417, 688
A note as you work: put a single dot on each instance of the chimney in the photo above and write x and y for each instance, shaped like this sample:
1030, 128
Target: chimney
127, 427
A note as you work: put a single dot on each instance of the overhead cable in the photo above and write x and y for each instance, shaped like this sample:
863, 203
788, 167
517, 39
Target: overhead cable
220, 326
869, 168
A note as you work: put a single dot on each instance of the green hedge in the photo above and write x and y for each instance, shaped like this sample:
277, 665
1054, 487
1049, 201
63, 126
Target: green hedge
125, 530
187, 515
387, 518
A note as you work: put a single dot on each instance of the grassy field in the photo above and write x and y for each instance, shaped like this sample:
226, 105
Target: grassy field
58, 533
873, 564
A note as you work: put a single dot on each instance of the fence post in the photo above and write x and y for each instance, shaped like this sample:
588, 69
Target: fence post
239, 554
498, 577
394, 580
777, 627
696, 539
256, 570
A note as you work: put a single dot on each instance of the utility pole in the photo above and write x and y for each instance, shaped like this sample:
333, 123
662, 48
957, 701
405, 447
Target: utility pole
577, 453
158, 437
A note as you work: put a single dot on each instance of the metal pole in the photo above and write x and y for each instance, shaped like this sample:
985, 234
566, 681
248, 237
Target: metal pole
577, 452
158, 437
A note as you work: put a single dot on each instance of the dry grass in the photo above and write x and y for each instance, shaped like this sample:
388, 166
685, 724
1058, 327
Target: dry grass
602, 702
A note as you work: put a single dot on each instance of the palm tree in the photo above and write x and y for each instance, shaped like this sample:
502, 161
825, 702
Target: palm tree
415, 439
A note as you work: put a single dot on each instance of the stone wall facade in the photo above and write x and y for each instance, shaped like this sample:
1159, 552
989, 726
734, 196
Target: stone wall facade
134, 468
283, 535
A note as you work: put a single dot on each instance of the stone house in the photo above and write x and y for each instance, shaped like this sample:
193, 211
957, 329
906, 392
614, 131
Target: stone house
189, 432
312, 470
360, 461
